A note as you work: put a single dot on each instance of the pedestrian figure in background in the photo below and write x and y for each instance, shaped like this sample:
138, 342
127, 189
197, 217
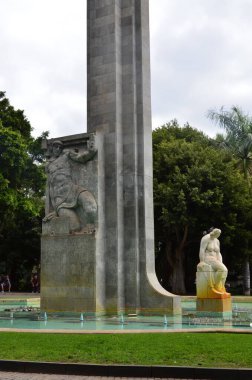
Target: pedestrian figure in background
35, 283
5, 283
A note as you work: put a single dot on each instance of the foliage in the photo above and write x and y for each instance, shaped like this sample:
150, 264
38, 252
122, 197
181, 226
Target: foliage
14, 119
238, 140
179, 349
196, 186
22, 183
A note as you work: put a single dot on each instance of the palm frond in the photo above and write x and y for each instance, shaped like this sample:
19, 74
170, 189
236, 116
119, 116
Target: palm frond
238, 137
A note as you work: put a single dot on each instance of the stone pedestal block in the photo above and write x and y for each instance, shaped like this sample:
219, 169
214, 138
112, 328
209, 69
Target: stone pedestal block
205, 280
214, 307
211, 302
68, 271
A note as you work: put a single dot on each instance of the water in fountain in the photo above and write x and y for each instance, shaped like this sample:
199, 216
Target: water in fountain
165, 320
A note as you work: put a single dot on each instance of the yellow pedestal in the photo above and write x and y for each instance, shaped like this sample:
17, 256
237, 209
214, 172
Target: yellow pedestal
205, 285
211, 302
213, 306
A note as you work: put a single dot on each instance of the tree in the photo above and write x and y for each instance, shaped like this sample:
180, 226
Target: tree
14, 119
238, 140
22, 182
196, 186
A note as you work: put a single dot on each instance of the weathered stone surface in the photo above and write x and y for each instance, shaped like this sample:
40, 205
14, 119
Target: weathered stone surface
68, 258
68, 273
214, 307
66, 196
119, 111
113, 271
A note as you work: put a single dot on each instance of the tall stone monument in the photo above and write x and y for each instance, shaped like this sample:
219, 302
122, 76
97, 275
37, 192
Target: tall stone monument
119, 111
119, 115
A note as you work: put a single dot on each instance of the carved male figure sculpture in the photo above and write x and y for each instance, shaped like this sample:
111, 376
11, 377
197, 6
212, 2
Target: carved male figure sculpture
211, 265
67, 198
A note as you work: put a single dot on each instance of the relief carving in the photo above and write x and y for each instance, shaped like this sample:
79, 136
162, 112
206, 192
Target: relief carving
67, 198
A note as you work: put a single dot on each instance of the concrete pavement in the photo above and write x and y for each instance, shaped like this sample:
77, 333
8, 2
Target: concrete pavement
36, 376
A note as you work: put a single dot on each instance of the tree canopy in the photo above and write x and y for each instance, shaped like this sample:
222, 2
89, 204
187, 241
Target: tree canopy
22, 183
238, 140
196, 186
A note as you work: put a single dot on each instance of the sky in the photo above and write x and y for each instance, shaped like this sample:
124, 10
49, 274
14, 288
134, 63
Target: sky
201, 59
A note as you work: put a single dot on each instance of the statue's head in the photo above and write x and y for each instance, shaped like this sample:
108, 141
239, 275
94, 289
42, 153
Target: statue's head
215, 233
57, 147
91, 142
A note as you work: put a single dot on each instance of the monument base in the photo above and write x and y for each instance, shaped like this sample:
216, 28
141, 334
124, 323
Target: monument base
155, 300
68, 270
152, 304
210, 307
205, 283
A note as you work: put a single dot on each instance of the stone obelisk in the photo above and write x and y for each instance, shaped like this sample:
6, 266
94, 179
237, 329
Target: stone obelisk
119, 112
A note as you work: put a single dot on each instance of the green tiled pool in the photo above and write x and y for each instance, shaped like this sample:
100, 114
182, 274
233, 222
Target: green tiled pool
23, 313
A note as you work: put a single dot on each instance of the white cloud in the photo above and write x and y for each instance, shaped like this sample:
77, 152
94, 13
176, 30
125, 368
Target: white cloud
201, 58
43, 68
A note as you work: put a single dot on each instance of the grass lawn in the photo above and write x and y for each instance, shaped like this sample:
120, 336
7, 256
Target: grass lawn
178, 349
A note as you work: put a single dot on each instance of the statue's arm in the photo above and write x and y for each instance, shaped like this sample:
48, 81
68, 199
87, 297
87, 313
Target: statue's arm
203, 246
218, 254
50, 216
83, 157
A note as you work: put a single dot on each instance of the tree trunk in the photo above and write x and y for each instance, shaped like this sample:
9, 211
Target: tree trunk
246, 278
177, 264
178, 274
